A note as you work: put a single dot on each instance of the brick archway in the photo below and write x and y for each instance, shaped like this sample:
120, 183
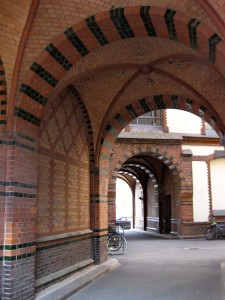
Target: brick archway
170, 158
161, 154
99, 30
144, 105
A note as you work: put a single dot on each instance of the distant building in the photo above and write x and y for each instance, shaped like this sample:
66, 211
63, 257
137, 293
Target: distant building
174, 175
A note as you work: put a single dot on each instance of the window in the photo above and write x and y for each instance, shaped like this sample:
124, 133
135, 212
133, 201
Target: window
151, 118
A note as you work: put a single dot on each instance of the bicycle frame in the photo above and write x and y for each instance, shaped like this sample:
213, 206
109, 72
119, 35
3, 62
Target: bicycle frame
214, 231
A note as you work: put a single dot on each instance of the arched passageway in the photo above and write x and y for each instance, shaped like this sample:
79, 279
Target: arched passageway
156, 186
76, 76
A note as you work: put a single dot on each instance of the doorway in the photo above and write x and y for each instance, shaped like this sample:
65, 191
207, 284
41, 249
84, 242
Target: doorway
165, 214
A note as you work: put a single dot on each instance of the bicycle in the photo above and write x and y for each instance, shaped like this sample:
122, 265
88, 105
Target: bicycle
117, 244
214, 231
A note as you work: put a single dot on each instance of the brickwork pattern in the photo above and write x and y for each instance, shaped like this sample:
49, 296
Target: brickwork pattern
59, 255
83, 37
57, 16
18, 191
63, 184
19, 279
21, 276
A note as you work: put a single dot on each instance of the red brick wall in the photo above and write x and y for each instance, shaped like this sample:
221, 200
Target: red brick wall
63, 203
18, 187
63, 170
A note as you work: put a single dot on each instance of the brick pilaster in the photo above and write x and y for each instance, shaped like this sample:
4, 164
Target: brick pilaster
19, 192
100, 217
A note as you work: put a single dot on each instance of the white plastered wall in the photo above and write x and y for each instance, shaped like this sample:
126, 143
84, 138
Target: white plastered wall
200, 191
185, 122
217, 176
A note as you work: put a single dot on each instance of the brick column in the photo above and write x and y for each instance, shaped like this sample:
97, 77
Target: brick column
2, 206
112, 200
100, 217
18, 189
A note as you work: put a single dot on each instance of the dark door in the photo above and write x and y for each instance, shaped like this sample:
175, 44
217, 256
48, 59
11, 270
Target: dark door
165, 214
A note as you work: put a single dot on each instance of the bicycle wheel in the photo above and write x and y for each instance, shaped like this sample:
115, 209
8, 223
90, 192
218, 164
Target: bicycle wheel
117, 245
210, 233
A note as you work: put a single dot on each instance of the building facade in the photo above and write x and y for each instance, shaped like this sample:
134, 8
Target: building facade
168, 160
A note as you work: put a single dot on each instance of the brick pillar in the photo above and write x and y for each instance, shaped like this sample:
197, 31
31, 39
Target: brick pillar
18, 188
100, 218
2, 206
112, 200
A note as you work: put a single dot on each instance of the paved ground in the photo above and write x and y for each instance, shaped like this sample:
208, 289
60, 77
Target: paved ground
155, 268
152, 268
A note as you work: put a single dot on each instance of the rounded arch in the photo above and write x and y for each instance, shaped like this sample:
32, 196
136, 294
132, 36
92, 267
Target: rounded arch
129, 157
155, 152
104, 28
119, 121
